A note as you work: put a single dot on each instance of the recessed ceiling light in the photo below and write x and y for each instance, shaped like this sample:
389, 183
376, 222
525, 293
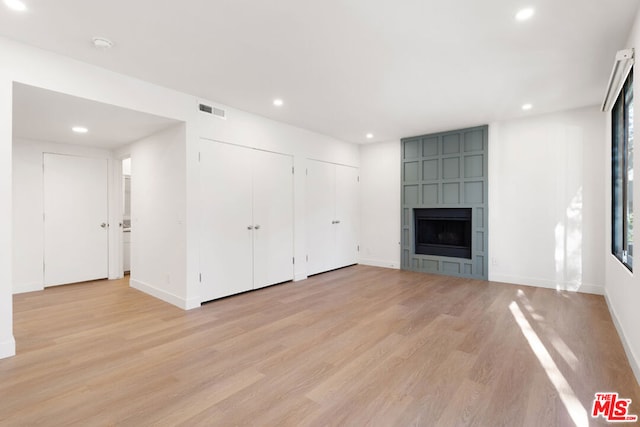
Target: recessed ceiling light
527, 107
278, 102
80, 129
524, 14
102, 43
369, 135
16, 5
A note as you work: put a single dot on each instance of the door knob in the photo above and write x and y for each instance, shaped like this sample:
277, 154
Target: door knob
104, 225
257, 227
337, 221
249, 227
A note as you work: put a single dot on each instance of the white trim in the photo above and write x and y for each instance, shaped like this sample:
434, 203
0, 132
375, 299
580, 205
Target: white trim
621, 67
8, 348
380, 263
160, 294
27, 287
634, 361
300, 276
587, 288
192, 303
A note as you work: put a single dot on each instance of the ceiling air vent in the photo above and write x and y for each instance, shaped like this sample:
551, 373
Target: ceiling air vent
220, 113
217, 112
206, 108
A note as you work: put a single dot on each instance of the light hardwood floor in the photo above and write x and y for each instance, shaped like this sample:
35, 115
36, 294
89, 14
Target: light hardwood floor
354, 347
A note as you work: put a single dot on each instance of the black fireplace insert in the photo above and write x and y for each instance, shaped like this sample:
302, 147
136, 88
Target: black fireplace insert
443, 232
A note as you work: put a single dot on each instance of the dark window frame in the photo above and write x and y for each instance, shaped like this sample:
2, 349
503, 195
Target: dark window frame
621, 171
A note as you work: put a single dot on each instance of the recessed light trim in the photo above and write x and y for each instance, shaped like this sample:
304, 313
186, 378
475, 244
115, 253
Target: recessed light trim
16, 5
527, 107
102, 43
369, 136
278, 102
80, 129
525, 14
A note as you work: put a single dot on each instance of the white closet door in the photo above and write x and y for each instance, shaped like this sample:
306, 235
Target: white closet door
225, 240
347, 215
320, 219
76, 241
272, 218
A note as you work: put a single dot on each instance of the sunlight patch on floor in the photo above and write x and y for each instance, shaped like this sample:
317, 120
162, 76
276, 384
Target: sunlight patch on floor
567, 395
558, 343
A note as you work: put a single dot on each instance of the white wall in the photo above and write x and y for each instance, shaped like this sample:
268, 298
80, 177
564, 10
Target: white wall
7, 343
28, 227
546, 195
622, 286
380, 204
158, 212
35, 67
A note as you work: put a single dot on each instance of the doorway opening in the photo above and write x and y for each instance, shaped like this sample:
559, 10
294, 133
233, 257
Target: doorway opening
126, 215
56, 186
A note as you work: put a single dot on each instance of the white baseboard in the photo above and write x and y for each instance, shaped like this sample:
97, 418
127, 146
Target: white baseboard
380, 263
7, 348
22, 288
299, 276
634, 361
586, 288
192, 303
160, 294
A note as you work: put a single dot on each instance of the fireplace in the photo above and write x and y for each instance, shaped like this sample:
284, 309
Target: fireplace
443, 232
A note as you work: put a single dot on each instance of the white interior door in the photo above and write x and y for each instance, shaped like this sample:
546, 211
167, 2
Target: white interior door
346, 216
272, 218
321, 216
76, 241
226, 218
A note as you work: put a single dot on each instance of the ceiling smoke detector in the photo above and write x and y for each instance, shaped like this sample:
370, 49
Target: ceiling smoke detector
102, 43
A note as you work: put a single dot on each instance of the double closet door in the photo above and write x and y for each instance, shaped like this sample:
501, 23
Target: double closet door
332, 216
246, 239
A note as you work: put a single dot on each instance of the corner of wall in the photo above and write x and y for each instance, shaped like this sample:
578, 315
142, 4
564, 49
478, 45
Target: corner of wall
8, 348
192, 303
298, 277
380, 263
163, 295
634, 360
22, 288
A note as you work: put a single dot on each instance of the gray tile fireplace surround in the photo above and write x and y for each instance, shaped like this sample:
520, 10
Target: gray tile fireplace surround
443, 173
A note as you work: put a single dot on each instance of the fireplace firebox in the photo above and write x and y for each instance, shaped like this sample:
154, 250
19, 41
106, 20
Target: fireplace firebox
443, 232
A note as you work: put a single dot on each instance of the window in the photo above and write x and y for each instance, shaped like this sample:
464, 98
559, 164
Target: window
622, 175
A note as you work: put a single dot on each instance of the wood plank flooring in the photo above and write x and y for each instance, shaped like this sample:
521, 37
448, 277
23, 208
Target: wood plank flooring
354, 347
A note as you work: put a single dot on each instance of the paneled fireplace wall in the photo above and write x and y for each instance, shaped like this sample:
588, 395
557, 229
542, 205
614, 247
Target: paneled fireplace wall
446, 172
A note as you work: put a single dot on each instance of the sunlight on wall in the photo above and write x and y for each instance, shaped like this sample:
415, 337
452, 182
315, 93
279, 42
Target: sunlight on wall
568, 250
567, 395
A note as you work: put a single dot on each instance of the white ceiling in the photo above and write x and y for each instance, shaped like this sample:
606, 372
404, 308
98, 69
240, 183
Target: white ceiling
345, 68
44, 115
